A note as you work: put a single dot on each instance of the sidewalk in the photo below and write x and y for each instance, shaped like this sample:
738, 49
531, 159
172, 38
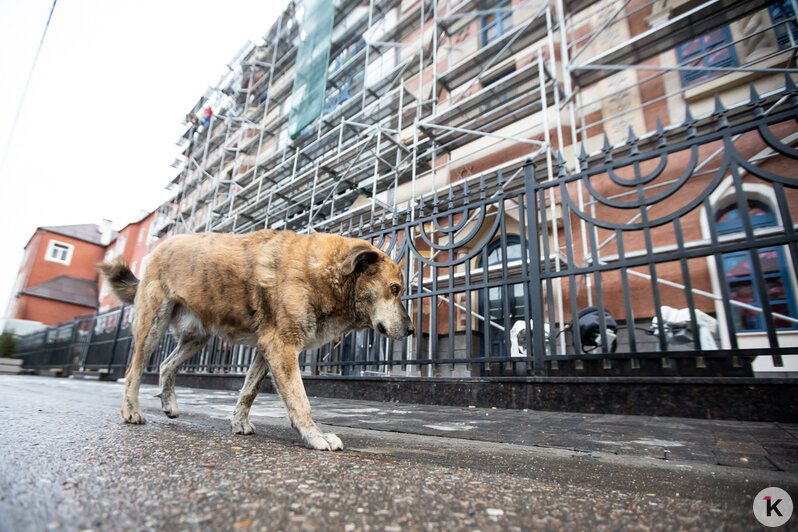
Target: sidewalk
748, 445
70, 463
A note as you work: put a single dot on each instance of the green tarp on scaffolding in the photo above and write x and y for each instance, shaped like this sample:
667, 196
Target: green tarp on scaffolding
312, 59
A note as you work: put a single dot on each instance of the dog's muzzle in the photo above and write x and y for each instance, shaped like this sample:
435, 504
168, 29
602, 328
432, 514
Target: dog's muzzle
409, 330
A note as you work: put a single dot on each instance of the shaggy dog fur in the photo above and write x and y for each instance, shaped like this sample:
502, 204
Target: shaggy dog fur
277, 290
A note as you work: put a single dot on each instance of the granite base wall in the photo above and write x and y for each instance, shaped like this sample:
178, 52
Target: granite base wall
744, 399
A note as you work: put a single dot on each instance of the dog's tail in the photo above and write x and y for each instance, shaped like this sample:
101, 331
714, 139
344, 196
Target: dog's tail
123, 282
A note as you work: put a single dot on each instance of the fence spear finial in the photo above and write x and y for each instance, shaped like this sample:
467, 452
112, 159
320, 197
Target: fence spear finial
789, 84
632, 141
583, 155
560, 164
660, 134
607, 149
689, 122
720, 112
789, 88
755, 101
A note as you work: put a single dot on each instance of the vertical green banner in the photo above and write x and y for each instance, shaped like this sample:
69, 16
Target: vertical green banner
312, 59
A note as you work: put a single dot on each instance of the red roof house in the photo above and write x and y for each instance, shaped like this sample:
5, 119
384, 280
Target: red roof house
58, 276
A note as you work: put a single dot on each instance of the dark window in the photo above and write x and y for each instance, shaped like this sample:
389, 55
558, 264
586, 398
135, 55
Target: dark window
496, 22
500, 307
782, 12
497, 80
501, 76
740, 278
711, 50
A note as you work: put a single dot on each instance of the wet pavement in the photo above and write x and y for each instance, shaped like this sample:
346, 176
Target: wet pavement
67, 462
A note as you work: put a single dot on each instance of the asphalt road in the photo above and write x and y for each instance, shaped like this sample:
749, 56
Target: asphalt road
67, 462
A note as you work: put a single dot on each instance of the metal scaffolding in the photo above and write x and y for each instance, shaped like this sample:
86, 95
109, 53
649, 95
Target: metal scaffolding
422, 100
402, 103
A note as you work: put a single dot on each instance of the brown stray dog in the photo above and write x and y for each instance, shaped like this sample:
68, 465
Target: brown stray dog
277, 290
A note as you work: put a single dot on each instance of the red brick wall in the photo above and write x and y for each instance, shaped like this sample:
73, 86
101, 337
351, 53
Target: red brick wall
48, 311
85, 257
136, 249
24, 271
36, 270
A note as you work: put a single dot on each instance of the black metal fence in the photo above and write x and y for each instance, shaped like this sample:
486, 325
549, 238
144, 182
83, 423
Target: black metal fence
672, 254
99, 343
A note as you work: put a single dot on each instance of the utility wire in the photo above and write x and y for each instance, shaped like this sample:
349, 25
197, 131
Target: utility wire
25, 91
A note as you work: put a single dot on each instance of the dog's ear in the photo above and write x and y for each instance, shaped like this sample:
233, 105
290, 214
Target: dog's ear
358, 259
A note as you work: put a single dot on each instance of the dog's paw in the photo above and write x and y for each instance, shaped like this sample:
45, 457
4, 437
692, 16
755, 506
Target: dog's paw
322, 442
242, 426
133, 417
169, 405
335, 442
317, 442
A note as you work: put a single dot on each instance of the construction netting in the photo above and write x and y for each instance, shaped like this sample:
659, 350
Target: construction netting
312, 58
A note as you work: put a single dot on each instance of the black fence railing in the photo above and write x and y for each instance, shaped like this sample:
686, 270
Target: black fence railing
99, 343
673, 254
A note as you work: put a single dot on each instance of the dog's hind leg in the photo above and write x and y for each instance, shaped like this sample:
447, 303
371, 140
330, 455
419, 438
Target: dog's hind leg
284, 366
255, 376
152, 320
187, 346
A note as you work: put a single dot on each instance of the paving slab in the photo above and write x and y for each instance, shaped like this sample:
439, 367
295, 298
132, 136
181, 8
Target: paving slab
749, 445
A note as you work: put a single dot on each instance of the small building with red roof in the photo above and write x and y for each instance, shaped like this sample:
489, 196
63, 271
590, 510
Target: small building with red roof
57, 279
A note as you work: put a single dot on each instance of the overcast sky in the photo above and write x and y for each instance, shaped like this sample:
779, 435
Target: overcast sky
98, 128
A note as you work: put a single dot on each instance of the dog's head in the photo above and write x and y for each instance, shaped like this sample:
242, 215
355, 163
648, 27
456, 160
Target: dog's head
378, 288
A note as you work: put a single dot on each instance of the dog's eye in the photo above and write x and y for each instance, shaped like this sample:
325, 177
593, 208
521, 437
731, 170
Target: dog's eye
395, 289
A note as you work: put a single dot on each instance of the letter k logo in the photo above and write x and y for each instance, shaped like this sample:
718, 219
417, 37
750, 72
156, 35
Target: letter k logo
772, 506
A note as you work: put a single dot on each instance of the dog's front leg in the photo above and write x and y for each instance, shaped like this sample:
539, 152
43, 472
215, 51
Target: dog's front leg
283, 363
257, 372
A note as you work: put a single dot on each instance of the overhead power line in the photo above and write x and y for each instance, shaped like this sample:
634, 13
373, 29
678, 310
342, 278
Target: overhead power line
25, 90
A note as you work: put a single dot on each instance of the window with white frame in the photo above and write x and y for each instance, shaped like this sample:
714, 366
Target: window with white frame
121, 242
741, 282
105, 288
59, 252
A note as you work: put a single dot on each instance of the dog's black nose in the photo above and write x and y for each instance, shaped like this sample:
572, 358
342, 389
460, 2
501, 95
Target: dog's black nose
410, 329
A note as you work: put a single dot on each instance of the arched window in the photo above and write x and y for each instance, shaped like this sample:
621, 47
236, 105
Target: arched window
740, 279
728, 219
